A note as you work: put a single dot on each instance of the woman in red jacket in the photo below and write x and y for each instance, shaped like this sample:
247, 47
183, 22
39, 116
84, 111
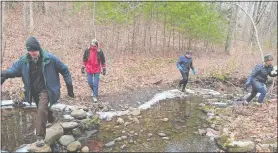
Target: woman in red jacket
94, 62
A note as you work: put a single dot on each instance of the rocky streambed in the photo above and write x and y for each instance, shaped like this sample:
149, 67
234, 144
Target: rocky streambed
171, 121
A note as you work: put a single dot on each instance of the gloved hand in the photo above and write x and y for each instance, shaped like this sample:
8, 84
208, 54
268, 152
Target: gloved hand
193, 71
70, 90
180, 68
104, 71
2, 80
3, 77
83, 69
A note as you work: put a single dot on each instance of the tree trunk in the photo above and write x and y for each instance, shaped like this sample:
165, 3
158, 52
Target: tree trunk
156, 32
236, 22
25, 17
133, 34
145, 34
150, 39
118, 39
169, 38
46, 7
257, 37
173, 37
164, 32
230, 31
31, 18
179, 41
94, 26
3, 28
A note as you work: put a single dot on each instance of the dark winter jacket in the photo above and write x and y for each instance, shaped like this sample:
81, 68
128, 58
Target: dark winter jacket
259, 74
93, 60
185, 63
51, 67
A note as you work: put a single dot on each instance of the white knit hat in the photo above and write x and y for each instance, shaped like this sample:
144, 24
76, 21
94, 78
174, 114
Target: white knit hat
94, 42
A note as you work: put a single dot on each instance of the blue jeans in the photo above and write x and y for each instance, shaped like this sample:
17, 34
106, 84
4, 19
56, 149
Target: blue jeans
93, 84
257, 87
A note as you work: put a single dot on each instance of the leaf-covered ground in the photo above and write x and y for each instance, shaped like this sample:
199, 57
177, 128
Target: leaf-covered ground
133, 79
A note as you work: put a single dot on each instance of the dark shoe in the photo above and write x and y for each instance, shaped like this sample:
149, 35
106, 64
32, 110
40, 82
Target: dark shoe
245, 103
180, 84
40, 142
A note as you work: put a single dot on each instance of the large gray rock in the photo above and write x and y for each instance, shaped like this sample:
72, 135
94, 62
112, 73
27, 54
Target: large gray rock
162, 134
202, 131
69, 125
76, 145
58, 107
220, 104
76, 132
241, 146
79, 114
34, 148
85, 149
53, 133
67, 118
7, 102
66, 139
135, 112
110, 144
120, 121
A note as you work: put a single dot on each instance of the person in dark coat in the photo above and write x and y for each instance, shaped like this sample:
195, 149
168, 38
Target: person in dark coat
184, 65
258, 78
40, 70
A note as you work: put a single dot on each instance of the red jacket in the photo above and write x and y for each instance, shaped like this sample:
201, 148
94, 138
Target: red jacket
93, 60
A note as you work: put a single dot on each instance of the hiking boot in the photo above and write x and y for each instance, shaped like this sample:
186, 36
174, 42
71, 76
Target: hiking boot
180, 83
183, 90
94, 99
40, 142
245, 103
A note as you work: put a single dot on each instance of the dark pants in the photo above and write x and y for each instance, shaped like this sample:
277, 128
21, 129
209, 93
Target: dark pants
184, 79
257, 87
44, 113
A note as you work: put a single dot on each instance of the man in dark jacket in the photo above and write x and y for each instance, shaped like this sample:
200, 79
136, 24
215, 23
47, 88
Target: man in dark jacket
184, 64
258, 78
94, 63
40, 74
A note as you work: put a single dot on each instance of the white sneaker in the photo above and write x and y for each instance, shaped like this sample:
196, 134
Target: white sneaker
92, 94
94, 99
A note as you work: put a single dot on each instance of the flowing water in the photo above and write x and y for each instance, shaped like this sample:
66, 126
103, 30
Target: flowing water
183, 120
17, 127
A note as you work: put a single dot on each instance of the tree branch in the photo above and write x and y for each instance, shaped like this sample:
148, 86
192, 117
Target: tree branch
257, 37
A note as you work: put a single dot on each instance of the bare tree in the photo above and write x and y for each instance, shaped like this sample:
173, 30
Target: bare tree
25, 16
31, 18
94, 26
259, 9
230, 29
256, 32
3, 42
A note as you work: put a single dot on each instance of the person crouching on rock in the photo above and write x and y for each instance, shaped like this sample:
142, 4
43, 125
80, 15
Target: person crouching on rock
258, 78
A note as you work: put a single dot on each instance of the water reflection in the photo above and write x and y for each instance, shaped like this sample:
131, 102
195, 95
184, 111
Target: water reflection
17, 127
183, 119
